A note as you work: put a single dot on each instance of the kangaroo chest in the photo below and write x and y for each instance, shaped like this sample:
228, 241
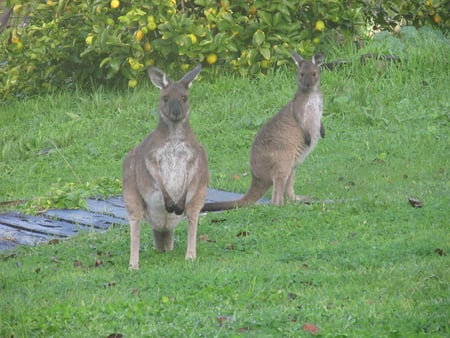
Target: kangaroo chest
308, 113
175, 159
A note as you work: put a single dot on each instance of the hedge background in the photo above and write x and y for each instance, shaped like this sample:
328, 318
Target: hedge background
77, 43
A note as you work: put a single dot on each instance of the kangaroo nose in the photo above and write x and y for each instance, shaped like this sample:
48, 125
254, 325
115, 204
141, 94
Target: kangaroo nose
175, 108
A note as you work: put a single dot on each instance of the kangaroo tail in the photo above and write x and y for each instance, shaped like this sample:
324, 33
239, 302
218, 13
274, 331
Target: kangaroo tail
255, 192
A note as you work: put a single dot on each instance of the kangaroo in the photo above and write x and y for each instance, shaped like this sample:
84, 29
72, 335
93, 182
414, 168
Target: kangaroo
284, 141
166, 175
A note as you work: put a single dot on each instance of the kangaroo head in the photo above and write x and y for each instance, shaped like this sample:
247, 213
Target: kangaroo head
308, 77
174, 99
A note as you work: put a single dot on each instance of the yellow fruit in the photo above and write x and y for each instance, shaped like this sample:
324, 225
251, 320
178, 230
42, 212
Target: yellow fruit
148, 47
132, 83
193, 38
151, 26
149, 63
437, 18
319, 26
139, 35
89, 40
17, 8
110, 21
252, 10
211, 58
15, 39
184, 67
115, 3
316, 40
50, 3
265, 64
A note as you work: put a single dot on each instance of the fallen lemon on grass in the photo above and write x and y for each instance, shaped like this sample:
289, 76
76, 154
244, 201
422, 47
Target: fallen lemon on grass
211, 58
132, 83
319, 26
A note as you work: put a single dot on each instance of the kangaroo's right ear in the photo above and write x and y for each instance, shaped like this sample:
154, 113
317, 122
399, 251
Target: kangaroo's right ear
297, 58
191, 76
158, 77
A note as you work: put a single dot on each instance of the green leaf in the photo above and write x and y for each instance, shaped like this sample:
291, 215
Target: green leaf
259, 37
265, 52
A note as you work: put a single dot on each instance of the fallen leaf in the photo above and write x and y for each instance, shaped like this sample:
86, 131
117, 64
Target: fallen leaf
415, 202
243, 234
223, 320
218, 220
230, 247
440, 252
243, 329
109, 285
135, 292
236, 177
77, 264
292, 296
55, 260
98, 262
53, 241
308, 327
115, 335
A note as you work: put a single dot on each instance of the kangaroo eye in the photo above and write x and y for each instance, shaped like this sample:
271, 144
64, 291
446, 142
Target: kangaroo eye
302, 74
314, 74
165, 98
184, 98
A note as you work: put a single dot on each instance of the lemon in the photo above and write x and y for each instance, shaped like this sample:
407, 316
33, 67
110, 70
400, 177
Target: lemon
319, 26
132, 83
148, 47
211, 58
139, 35
151, 26
437, 18
149, 63
193, 38
115, 3
17, 8
89, 40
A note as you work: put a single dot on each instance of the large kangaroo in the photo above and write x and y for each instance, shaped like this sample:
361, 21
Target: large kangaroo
167, 174
285, 141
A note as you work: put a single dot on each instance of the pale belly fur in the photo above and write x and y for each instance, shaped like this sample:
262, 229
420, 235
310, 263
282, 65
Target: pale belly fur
311, 120
173, 161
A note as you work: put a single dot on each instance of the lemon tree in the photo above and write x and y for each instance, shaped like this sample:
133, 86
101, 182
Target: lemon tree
81, 43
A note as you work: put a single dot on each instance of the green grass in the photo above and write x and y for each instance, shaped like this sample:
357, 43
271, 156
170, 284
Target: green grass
368, 266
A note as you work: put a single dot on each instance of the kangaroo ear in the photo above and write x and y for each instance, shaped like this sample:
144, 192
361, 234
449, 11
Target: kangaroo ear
297, 58
318, 59
191, 76
158, 77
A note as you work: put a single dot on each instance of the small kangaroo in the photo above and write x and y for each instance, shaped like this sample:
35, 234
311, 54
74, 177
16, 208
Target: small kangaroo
283, 142
166, 175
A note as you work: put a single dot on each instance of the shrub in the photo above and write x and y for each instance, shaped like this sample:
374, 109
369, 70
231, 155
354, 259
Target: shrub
80, 43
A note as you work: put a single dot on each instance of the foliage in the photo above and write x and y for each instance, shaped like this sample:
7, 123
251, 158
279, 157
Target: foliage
71, 196
80, 43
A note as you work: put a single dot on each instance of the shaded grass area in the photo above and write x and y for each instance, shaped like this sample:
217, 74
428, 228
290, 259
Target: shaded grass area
368, 264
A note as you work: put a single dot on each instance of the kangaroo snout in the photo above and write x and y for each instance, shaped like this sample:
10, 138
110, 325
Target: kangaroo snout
175, 109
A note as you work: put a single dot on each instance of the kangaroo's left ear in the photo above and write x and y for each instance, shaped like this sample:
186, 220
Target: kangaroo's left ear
318, 59
191, 76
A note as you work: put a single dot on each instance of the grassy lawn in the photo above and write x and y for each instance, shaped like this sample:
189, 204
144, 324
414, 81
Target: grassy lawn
368, 265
